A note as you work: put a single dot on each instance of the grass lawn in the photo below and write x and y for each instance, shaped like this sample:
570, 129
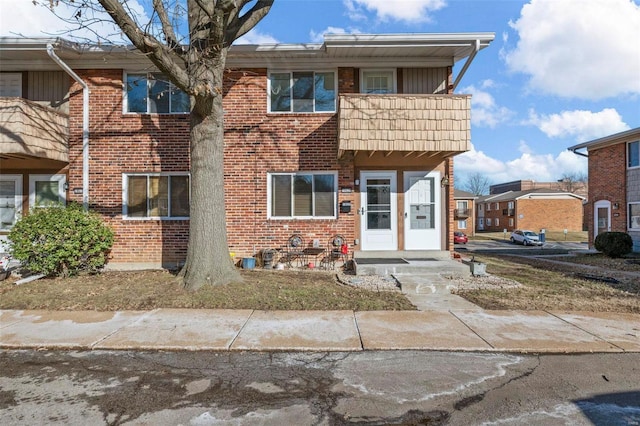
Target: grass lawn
549, 286
146, 290
579, 237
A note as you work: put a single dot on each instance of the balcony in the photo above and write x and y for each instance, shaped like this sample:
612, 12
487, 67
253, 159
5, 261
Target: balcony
29, 130
461, 213
413, 124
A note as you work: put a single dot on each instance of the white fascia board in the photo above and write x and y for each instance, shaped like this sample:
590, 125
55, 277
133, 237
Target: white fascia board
608, 140
550, 195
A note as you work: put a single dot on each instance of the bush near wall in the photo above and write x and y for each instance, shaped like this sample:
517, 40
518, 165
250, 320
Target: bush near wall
614, 244
61, 241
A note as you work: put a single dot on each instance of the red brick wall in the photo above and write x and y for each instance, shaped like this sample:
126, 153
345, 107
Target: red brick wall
255, 143
608, 181
121, 143
550, 214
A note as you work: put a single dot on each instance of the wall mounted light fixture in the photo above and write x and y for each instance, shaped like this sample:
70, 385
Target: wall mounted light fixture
444, 181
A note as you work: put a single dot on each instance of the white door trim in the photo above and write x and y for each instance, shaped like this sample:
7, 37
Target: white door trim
379, 239
417, 238
597, 205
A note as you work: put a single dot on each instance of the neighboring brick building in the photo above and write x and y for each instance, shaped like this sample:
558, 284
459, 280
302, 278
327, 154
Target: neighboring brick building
534, 210
464, 214
354, 136
578, 188
614, 184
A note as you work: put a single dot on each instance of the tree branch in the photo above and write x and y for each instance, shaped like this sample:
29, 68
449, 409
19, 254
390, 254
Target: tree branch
162, 56
167, 28
240, 25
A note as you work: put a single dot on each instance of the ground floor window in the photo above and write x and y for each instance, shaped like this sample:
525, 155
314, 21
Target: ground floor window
634, 216
488, 221
156, 196
462, 224
46, 190
510, 221
302, 195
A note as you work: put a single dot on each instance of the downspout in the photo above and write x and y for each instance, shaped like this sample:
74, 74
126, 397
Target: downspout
85, 124
467, 64
575, 151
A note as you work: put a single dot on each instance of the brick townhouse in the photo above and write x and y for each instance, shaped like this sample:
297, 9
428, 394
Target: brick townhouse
533, 209
354, 136
614, 184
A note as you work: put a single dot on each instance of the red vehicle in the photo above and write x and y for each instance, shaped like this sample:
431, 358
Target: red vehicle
459, 238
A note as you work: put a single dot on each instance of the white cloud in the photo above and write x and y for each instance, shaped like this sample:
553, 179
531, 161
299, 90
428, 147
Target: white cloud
36, 19
578, 124
256, 37
411, 11
538, 167
318, 37
586, 49
484, 111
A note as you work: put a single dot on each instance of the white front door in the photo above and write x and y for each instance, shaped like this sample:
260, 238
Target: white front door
422, 227
602, 217
378, 214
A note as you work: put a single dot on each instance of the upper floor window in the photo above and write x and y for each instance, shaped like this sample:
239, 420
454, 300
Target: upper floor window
156, 196
633, 154
302, 195
153, 93
377, 81
302, 91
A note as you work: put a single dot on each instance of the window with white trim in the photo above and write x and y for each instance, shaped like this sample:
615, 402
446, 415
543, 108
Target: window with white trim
462, 224
302, 195
511, 221
47, 190
634, 216
153, 93
377, 81
488, 221
155, 196
497, 222
633, 154
302, 91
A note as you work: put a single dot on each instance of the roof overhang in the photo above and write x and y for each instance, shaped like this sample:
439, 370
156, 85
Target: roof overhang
345, 50
606, 141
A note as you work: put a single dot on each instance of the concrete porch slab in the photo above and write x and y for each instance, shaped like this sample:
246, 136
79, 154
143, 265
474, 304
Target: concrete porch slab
180, 329
531, 331
622, 330
416, 330
299, 330
62, 329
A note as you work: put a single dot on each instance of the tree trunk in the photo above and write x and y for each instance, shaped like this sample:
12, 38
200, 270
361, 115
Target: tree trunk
208, 260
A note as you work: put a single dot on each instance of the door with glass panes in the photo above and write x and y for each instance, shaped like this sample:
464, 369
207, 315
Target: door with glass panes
422, 211
378, 211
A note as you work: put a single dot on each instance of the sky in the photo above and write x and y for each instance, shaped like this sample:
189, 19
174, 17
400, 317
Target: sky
559, 72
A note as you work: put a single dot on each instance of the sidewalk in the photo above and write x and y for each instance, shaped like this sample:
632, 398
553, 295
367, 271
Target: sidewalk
238, 330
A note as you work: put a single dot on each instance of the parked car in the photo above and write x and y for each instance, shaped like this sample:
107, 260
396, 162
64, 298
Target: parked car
525, 237
459, 238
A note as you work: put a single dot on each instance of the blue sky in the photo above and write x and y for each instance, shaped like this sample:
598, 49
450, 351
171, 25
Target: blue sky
559, 72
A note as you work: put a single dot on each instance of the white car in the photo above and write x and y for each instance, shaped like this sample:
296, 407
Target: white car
524, 237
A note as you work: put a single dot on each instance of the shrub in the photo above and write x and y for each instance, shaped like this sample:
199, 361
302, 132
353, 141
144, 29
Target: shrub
614, 244
61, 241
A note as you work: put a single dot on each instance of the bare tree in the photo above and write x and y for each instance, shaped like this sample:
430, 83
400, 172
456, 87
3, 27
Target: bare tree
477, 184
573, 182
195, 63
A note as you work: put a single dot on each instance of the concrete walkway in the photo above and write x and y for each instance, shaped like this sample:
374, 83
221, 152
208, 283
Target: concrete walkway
237, 330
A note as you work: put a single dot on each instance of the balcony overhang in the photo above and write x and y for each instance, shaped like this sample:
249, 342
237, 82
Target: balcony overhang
415, 125
30, 131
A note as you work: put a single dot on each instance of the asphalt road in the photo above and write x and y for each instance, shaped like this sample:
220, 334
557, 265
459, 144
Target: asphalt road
506, 245
354, 388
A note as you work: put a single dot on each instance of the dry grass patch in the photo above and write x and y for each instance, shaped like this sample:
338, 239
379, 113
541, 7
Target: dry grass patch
548, 286
629, 263
147, 290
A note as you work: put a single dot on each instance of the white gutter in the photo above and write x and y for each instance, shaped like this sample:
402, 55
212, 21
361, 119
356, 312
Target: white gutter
85, 124
467, 64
